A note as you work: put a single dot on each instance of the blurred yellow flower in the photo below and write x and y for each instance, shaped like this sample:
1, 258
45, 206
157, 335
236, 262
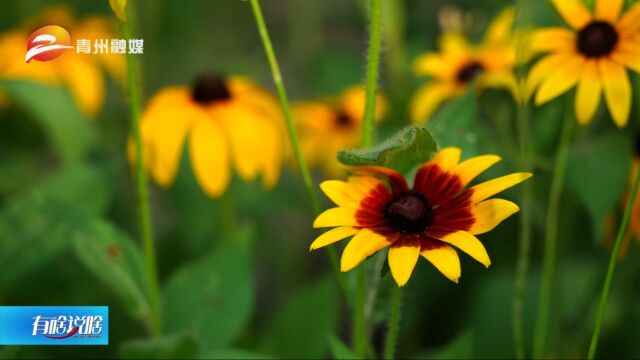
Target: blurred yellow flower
80, 73
227, 120
593, 55
325, 127
458, 64
438, 211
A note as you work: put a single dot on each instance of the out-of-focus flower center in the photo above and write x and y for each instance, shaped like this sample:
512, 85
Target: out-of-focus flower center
408, 213
210, 88
469, 72
598, 38
343, 120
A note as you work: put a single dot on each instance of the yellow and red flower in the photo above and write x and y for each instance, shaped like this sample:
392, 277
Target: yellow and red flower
458, 64
593, 56
438, 211
80, 73
328, 126
227, 121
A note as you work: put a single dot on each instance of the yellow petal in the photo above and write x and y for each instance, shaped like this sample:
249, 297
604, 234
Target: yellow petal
628, 54
364, 244
560, 80
363, 184
245, 143
501, 27
427, 99
210, 157
86, 83
469, 244
454, 44
574, 12
630, 20
617, 91
402, 260
608, 10
432, 64
489, 188
446, 158
332, 236
469, 169
543, 68
553, 39
336, 216
588, 93
119, 8
446, 260
342, 193
488, 214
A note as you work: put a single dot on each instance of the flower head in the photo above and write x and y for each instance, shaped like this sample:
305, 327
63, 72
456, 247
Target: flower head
438, 211
228, 121
329, 126
80, 73
459, 64
592, 55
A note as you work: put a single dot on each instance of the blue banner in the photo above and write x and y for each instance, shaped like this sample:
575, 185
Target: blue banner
54, 325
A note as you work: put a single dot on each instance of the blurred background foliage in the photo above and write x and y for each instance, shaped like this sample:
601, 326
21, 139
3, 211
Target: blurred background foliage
69, 235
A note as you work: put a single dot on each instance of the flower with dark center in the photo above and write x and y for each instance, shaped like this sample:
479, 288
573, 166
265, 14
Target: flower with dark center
210, 88
230, 123
377, 207
457, 64
593, 56
469, 72
597, 39
343, 119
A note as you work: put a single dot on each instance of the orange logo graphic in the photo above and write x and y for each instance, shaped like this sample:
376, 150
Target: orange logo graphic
47, 43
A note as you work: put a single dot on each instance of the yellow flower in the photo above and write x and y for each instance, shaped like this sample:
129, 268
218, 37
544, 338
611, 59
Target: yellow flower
458, 64
326, 127
80, 73
593, 55
228, 121
424, 220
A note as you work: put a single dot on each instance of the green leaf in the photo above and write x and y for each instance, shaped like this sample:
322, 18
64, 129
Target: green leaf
182, 346
339, 350
37, 225
598, 172
303, 324
455, 124
55, 110
113, 257
401, 152
212, 297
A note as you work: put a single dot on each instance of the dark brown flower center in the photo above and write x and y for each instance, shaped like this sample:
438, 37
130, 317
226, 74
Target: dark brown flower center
210, 88
598, 38
469, 72
343, 120
408, 213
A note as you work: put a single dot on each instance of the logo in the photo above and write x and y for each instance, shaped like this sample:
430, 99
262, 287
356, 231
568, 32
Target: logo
54, 325
47, 43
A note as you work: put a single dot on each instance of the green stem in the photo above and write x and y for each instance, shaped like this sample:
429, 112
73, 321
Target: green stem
143, 192
551, 235
613, 260
394, 323
293, 136
372, 73
359, 337
524, 241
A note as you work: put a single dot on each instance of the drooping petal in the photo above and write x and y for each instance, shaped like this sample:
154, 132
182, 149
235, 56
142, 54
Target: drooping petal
608, 10
332, 236
364, 244
468, 243
428, 98
553, 39
337, 216
488, 214
543, 68
617, 91
574, 12
210, 157
403, 256
560, 80
471, 168
588, 92
445, 259
489, 188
